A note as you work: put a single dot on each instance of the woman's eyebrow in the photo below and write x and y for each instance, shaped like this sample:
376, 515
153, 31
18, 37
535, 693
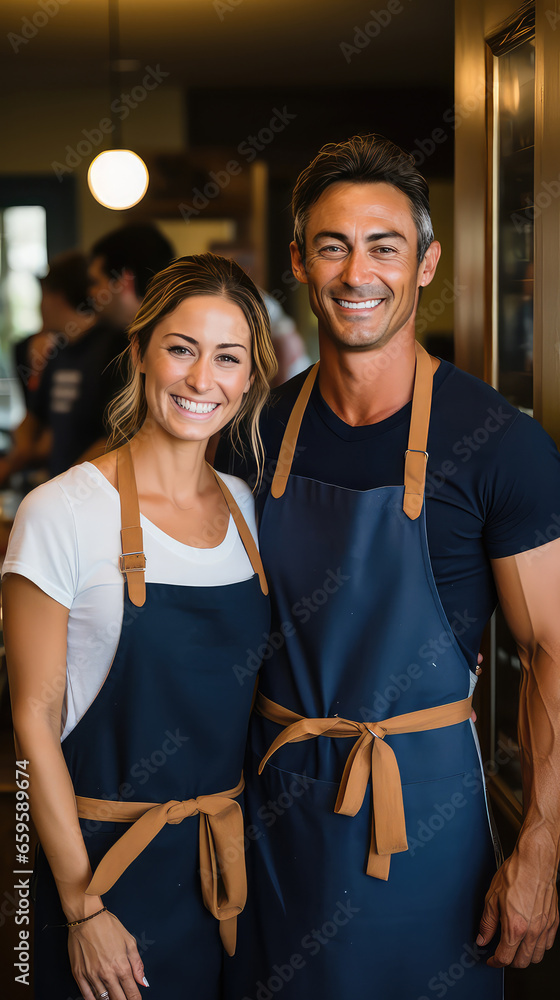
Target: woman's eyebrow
192, 340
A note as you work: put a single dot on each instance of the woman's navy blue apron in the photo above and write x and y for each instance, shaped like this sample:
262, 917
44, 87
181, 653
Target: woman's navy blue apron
355, 607
168, 725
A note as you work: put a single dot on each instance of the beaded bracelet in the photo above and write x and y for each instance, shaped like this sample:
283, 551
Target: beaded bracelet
82, 920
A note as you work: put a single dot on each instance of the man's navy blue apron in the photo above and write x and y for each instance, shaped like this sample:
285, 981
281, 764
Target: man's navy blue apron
168, 726
348, 896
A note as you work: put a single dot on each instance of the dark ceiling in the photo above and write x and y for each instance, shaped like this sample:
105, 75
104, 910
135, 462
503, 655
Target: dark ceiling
334, 43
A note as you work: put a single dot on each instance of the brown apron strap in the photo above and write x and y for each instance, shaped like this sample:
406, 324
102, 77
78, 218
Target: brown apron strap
244, 532
221, 847
133, 559
416, 456
370, 759
289, 441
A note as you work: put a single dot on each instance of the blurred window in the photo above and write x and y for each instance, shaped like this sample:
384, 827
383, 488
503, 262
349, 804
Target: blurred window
23, 258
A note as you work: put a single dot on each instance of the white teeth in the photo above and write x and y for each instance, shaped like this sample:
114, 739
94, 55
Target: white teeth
368, 304
193, 407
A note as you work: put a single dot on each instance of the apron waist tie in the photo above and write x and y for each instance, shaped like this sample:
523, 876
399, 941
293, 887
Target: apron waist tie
223, 881
370, 757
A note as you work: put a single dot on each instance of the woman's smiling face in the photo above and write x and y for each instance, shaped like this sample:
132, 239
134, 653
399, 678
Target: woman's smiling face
198, 367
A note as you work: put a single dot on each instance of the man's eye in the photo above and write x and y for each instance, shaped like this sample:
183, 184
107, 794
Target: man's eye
332, 251
384, 250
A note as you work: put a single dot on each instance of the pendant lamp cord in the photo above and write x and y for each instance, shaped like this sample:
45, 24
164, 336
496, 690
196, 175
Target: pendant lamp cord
114, 70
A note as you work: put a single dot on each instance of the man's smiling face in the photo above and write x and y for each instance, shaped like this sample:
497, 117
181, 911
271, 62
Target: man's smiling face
361, 263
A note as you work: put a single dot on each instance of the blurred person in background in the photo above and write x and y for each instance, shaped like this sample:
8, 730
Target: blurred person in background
82, 376
289, 345
66, 317
120, 266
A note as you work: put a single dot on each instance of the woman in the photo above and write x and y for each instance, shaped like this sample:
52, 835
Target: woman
137, 673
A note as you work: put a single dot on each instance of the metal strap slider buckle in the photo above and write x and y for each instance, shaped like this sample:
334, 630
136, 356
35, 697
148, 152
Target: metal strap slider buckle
132, 569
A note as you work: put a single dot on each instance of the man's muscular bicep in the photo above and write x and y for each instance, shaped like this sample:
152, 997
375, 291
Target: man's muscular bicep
528, 585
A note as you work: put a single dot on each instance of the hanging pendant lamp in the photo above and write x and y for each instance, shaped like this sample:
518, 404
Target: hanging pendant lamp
117, 178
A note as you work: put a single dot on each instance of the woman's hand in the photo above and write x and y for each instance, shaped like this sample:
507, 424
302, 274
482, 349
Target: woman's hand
105, 959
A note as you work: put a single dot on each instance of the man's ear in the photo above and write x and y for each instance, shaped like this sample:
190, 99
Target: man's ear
427, 267
298, 267
128, 281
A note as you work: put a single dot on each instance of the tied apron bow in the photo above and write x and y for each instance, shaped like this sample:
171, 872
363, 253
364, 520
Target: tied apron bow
221, 837
369, 758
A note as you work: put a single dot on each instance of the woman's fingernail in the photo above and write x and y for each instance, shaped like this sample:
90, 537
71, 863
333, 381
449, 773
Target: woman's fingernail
145, 981
480, 939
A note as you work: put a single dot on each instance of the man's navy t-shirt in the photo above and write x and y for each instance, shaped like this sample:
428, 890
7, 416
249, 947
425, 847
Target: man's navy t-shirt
76, 386
492, 487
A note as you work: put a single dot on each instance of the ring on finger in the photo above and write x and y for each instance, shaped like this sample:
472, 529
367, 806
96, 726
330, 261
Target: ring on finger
104, 996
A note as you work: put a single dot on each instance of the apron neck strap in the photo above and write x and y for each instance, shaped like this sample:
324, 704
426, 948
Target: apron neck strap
416, 456
244, 532
133, 559
289, 441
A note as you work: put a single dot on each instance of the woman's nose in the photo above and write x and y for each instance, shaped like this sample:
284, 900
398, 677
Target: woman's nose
199, 375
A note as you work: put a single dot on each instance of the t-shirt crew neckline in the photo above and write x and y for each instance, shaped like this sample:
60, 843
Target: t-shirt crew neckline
206, 556
367, 431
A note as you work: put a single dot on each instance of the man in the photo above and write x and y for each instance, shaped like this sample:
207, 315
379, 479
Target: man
66, 318
121, 266
82, 375
385, 529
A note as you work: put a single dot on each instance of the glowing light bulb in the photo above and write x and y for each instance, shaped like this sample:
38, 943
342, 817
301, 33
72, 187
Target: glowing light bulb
118, 178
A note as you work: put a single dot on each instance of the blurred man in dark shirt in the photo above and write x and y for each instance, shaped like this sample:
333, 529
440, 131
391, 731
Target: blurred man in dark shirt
87, 337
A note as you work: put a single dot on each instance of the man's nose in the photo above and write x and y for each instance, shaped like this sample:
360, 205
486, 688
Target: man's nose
358, 269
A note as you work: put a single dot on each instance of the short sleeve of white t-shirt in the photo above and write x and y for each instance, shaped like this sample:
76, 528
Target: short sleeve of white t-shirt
66, 540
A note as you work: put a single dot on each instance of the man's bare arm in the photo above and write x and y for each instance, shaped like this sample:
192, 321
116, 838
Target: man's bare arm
32, 444
523, 895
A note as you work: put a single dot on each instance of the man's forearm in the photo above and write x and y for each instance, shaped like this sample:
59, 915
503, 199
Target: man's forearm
539, 742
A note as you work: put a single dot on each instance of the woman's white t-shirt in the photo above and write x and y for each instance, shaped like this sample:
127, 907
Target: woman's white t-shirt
66, 540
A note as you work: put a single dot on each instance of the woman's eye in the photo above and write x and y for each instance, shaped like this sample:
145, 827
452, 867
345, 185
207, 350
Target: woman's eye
228, 357
179, 350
